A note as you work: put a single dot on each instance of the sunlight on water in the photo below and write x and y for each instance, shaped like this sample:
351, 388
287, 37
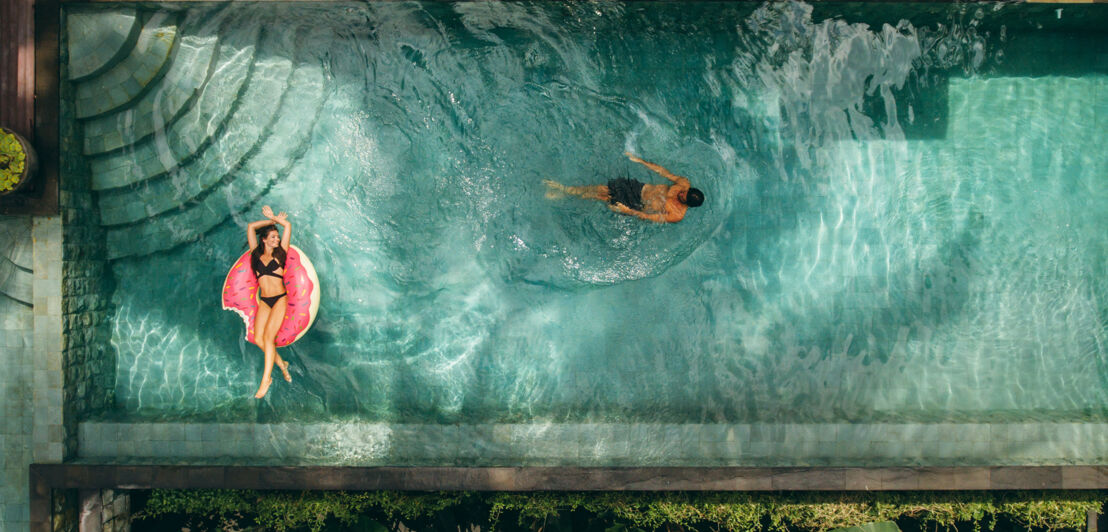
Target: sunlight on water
901, 223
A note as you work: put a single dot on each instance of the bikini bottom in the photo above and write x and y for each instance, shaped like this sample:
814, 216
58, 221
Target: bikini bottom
270, 301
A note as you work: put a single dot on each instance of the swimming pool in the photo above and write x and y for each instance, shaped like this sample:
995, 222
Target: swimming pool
904, 217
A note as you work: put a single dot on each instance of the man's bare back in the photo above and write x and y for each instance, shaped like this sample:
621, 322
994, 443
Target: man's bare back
657, 203
665, 200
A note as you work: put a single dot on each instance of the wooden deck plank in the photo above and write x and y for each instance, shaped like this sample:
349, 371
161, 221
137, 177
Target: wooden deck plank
17, 66
29, 96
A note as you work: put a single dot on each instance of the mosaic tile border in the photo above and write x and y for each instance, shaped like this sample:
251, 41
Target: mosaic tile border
600, 445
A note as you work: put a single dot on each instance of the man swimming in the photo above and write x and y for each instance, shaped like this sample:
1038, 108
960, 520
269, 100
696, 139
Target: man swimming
657, 203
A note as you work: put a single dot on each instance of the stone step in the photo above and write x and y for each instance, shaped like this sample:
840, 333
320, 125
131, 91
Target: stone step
271, 161
251, 113
194, 59
16, 249
165, 152
119, 85
98, 40
240, 189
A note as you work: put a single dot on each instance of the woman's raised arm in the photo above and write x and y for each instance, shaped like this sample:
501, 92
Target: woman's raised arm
286, 237
252, 230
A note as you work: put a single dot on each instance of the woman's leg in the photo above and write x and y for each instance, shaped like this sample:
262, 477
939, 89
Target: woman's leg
269, 338
596, 192
282, 365
260, 318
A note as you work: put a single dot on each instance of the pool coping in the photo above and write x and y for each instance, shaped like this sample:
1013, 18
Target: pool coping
46, 477
595, 444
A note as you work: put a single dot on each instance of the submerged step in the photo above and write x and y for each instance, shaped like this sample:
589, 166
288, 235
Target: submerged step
161, 105
248, 125
121, 84
99, 39
160, 154
281, 150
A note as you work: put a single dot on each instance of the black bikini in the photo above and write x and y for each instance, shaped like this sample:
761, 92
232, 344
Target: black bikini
268, 269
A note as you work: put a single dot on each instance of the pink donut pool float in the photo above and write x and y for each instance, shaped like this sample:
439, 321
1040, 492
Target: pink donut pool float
240, 292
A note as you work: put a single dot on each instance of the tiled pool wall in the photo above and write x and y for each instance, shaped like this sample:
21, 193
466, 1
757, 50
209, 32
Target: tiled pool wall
89, 359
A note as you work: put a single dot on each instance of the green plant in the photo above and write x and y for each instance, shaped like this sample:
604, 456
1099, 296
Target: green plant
627, 511
290, 510
12, 160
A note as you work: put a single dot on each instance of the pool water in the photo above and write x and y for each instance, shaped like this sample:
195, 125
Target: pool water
904, 220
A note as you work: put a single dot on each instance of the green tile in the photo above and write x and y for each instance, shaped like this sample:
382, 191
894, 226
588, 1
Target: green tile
113, 140
117, 97
151, 167
93, 145
132, 87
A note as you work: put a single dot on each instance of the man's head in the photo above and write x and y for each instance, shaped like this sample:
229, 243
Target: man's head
694, 197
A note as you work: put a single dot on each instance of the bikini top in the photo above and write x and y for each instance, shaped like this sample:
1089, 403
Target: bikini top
268, 269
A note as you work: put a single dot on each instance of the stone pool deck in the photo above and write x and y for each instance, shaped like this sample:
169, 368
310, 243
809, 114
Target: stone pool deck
630, 445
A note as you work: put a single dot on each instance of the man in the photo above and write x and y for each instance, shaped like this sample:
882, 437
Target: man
657, 203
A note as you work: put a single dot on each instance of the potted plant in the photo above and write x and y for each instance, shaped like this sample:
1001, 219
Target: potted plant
17, 161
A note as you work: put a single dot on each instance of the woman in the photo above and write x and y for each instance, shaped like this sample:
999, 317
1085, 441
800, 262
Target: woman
268, 262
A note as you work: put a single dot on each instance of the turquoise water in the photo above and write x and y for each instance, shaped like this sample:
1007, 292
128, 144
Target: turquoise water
904, 221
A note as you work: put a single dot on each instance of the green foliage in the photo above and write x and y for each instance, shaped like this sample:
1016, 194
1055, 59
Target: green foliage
628, 511
12, 160
290, 510
198, 502
880, 526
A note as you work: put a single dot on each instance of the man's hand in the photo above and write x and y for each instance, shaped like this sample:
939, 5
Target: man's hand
632, 157
620, 208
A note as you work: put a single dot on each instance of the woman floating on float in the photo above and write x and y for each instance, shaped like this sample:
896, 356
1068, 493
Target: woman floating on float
274, 288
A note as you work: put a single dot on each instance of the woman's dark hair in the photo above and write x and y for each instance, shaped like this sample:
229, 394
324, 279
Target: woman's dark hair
694, 197
278, 252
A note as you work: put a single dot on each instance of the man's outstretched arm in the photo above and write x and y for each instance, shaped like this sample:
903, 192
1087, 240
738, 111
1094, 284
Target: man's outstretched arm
623, 209
658, 169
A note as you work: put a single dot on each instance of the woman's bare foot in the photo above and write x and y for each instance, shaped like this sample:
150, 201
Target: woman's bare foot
263, 388
554, 189
284, 365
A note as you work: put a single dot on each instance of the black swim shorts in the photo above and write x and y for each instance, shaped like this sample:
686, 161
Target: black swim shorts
625, 191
